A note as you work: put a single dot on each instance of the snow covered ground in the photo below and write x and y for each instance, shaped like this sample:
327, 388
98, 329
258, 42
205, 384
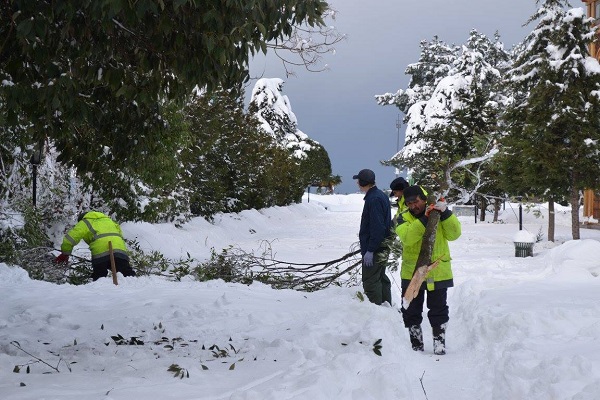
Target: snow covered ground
520, 328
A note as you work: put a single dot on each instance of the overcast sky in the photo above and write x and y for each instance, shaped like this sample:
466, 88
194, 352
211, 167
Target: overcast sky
337, 107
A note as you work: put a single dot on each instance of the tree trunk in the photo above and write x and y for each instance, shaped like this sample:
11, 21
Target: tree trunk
575, 212
483, 207
551, 220
429, 236
497, 203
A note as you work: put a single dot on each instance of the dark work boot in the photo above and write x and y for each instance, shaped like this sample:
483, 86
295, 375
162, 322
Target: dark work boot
416, 337
439, 339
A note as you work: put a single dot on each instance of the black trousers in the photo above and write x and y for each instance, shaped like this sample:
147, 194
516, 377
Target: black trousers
437, 303
376, 284
101, 268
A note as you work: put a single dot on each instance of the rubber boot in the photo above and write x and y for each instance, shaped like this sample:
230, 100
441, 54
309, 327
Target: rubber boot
416, 337
439, 339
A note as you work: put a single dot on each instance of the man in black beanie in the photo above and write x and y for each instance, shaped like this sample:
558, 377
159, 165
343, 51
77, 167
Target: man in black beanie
375, 227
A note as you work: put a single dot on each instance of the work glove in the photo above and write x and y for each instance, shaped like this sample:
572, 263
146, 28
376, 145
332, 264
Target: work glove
62, 258
440, 206
368, 259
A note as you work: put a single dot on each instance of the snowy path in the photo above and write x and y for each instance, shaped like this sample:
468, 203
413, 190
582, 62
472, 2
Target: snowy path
520, 327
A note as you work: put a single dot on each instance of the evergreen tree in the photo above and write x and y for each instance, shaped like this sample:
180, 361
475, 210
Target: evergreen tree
95, 78
451, 133
274, 111
475, 126
231, 164
435, 62
553, 142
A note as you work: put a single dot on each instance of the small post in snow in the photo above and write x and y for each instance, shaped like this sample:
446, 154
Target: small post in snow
520, 217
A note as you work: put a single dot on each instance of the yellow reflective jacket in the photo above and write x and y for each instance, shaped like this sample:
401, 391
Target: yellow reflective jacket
96, 229
411, 233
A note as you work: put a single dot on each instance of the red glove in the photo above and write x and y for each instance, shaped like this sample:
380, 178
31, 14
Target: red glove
439, 206
429, 209
62, 258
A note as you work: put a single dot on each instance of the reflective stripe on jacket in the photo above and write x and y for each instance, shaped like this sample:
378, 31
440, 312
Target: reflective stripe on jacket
96, 229
411, 235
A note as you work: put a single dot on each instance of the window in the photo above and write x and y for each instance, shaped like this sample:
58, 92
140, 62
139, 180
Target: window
596, 9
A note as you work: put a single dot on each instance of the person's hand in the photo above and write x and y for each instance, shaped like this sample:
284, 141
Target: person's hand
62, 258
440, 205
368, 259
428, 210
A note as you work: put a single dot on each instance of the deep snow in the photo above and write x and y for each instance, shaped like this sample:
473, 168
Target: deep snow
520, 328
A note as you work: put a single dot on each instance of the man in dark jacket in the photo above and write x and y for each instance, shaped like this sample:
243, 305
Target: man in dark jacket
375, 227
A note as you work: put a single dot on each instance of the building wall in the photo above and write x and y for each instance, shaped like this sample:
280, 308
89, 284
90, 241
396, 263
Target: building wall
591, 202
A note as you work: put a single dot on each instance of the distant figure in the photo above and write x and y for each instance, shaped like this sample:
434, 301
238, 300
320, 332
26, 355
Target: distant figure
97, 229
410, 230
375, 227
397, 187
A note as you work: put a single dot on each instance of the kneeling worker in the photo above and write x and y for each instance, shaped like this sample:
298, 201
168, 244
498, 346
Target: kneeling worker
97, 230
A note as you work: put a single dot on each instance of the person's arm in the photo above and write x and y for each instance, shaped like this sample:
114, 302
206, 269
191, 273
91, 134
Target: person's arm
377, 225
451, 227
411, 230
73, 237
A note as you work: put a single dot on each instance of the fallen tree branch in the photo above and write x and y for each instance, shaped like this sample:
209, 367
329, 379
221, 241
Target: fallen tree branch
422, 386
341, 271
18, 346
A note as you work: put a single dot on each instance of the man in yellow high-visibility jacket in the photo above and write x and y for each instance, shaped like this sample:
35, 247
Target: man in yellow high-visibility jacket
410, 230
97, 230
397, 187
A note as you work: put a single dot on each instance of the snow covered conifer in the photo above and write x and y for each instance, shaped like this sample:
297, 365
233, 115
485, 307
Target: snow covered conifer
274, 111
553, 144
450, 134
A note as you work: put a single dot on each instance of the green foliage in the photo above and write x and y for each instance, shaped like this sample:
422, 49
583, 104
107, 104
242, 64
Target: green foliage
552, 145
79, 273
377, 347
453, 99
391, 259
155, 263
317, 165
435, 62
231, 165
94, 76
23, 233
178, 372
309, 158
121, 341
226, 266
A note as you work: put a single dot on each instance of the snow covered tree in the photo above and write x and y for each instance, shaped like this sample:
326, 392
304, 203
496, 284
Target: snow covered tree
231, 163
434, 64
451, 133
274, 111
552, 149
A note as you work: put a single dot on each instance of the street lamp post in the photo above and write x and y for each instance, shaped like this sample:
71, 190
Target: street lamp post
35, 161
398, 125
